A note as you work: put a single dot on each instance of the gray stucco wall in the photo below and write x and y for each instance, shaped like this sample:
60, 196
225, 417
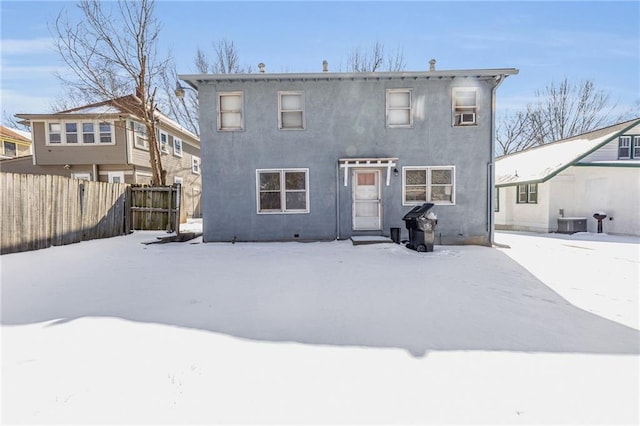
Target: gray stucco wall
344, 119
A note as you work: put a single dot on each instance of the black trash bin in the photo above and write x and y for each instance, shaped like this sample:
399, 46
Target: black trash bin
421, 226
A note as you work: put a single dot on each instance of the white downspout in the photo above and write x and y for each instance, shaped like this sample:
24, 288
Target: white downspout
490, 166
338, 201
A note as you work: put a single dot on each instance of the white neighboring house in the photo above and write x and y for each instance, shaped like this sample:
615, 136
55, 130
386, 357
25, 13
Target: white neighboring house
558, 187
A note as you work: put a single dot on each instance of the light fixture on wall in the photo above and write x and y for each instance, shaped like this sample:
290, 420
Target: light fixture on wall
396, 172
67, 166
180, 90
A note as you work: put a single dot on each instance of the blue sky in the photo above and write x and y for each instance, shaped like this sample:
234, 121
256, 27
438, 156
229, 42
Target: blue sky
546, 41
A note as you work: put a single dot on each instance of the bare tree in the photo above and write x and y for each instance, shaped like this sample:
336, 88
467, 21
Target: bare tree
560, 111
111, 52
373, 59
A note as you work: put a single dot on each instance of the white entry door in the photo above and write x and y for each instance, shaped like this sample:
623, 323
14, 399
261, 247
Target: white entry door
366, 200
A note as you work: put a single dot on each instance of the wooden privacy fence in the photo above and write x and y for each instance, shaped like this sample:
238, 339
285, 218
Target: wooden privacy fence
39, 211
155, 207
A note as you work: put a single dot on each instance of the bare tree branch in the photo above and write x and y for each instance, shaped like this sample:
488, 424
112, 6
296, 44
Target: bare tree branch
111, 53
373, 59
560, 111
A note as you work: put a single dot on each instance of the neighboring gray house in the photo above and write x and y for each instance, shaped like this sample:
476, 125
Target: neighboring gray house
323, 156
558, 187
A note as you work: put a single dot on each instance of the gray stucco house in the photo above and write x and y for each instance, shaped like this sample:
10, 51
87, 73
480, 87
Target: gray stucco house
323, 156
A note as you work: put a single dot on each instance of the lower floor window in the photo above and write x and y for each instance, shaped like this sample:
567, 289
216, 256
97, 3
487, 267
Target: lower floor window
528, 193
428, 184
283, 190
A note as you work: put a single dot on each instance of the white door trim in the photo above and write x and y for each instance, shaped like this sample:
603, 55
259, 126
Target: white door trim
366, 200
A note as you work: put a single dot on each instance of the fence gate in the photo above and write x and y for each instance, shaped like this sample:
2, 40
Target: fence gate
155, 208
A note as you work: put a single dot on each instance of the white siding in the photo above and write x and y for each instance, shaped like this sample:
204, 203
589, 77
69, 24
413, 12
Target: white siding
609, 152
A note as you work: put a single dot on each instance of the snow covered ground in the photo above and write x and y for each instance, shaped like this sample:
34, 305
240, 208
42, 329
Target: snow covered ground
115, 331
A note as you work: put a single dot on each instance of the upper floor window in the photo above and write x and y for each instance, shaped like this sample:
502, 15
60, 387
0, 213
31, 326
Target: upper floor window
106, 132
79, 133
628, 147
54, 131
283, 190
528, 193
230, 114
465, 106
428, 184
140, 135
290, 110
163, 140
399, 112
88, 133
195, 164
177, 147
71, 132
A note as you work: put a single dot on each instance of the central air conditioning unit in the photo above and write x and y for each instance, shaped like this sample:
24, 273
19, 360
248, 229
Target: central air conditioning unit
468, 118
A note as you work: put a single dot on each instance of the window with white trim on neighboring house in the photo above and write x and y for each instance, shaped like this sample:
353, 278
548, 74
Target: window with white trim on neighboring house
9, 149
79, 133
195, 164
428, 184
116, 177
54, 133
628, 147
230, 111
140, 137
465, 106
527, 193
399, 108
163, 141
282, 190
177, 147
291, 110
71, 132
106, 132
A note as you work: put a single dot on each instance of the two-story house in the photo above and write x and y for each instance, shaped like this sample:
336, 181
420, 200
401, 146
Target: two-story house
560, 186
323, 156
101, 142
14, 143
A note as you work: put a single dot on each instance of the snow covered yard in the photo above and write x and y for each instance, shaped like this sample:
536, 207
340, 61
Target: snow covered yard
115, 331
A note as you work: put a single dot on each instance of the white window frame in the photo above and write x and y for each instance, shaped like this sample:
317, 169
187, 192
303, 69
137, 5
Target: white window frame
635, 147
624, 142
527, 193
177, 147
112, 175
49, 132
100, 132
457, 110
93, 132
140, 137
80, 133
4, 149
282, 111
429, 185
389, 108
81, 176
221, 112
163, 141
283, 191
195, 165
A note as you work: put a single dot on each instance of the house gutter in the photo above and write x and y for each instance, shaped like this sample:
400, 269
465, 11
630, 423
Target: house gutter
490, 167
